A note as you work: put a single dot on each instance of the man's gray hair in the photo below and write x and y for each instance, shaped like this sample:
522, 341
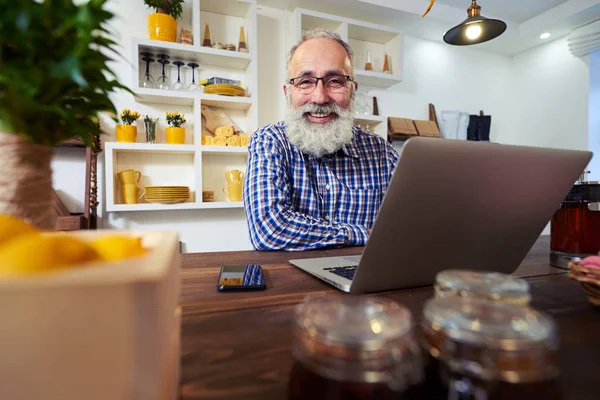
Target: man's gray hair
320, 33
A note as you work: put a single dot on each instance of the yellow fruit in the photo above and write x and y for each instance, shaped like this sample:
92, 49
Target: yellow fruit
12, 227
31, 254
118, 247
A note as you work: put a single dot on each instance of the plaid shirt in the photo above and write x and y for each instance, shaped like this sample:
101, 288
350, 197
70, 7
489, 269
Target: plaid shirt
295, 201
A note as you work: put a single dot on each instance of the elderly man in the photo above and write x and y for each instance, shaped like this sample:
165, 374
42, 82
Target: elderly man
315, 180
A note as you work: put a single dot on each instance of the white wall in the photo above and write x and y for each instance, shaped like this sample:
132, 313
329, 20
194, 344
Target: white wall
451, 78
549, 104
547, 83
594, 115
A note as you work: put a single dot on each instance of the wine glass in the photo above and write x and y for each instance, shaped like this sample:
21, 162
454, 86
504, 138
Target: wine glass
147, 80
193, 85
178, 85
163, 81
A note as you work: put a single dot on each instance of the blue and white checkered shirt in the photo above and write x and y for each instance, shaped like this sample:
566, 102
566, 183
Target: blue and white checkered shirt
296, 201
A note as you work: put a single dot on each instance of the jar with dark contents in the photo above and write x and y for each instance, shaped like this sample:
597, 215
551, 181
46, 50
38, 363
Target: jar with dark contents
482, 285
480, 349
348, 347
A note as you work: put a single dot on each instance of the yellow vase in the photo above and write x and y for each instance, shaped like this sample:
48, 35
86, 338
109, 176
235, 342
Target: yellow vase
162, 27
126, 133
175, 135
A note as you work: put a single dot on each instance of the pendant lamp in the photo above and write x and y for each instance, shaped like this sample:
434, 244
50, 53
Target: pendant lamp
475, 29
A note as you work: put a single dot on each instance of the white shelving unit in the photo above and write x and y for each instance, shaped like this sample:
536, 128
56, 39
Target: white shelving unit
362, 36
191, 164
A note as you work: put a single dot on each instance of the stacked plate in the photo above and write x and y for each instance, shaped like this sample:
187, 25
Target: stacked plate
167, 194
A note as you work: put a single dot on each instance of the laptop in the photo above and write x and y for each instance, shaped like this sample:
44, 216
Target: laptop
455, 204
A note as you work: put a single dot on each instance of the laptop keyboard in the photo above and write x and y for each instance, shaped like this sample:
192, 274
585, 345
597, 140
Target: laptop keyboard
345, 272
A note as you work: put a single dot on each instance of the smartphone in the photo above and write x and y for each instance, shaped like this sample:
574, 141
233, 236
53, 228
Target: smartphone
241, 277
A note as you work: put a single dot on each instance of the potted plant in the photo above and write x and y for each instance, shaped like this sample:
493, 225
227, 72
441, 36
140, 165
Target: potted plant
125, 131
52, 88
162, 25
175, 133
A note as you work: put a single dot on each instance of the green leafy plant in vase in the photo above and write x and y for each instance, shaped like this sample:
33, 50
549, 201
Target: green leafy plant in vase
175, 132
162, 25
54, 82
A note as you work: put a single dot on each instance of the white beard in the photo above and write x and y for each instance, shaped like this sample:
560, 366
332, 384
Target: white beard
319, 139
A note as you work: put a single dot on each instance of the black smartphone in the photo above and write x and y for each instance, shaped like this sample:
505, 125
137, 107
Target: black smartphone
241, 277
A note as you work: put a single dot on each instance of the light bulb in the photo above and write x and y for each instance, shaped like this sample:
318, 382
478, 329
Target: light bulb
474, 31
544, 35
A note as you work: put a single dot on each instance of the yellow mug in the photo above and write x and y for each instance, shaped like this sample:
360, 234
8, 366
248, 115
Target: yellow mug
131, 193
233, 191
129, 176
234, 175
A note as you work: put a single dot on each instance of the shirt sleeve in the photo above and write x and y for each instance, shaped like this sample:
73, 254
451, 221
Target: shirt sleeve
272, 221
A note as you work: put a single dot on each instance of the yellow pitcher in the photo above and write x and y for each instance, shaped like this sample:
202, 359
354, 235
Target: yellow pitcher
234, 176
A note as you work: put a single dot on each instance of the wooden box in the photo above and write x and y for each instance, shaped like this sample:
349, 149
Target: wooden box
106, 331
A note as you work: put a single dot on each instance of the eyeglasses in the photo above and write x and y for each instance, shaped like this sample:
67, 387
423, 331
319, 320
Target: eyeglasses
331, 83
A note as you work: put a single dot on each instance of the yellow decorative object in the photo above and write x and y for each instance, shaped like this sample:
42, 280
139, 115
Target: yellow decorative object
12, 228
131, 193
175, 135
162, 27
233, 191
226, 131
431, 3
233, 141
37, 253
220, 141
244, 139
224, 89
126, 133
116, 247
208, 140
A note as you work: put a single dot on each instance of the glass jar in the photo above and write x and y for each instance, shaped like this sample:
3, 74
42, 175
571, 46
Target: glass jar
348, 347
481, 349
482, 285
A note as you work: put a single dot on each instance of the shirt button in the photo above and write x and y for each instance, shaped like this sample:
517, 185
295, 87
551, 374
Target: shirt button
327, 217
327, 187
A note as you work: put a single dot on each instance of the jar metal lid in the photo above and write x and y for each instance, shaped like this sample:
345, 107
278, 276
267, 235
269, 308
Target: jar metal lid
343, 320
495, 325
481, 284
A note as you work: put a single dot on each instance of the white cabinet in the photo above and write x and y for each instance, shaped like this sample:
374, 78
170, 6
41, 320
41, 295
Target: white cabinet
378, 40
191, 164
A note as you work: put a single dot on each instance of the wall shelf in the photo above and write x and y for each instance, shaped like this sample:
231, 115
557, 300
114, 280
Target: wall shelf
196, 53
152, 207
233, 102
377, 79
223, 150
165, 96
151, 147
363, 119
193, 165
221, 204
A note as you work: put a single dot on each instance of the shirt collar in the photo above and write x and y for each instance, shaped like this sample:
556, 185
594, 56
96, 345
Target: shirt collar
351, 149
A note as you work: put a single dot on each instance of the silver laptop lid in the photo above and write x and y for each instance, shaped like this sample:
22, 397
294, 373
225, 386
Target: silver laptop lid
468, 205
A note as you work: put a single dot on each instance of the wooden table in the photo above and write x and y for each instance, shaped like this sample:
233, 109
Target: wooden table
237, 345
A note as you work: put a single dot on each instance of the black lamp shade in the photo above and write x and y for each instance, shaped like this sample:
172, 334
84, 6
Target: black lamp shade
490, 29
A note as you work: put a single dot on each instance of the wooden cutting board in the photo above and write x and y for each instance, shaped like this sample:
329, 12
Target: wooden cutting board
213, 118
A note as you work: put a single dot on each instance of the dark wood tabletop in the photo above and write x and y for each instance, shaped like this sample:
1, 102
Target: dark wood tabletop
237, 345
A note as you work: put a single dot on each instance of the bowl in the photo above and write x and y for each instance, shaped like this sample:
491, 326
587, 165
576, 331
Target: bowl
588, 278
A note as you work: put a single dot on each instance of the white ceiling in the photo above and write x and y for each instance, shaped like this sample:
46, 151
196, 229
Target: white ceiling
512, 10
526, 19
